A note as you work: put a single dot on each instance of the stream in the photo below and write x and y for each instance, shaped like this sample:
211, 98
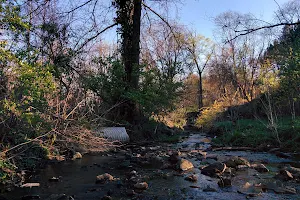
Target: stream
150, 163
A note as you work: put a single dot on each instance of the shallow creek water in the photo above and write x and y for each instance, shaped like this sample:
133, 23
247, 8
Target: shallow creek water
77, 178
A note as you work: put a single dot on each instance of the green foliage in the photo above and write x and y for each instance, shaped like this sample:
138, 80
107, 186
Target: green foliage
153, 95
6, 169
209, 115
32, 84
253, 133
286, 54
244, 133
290, 77
10, 17
34, 155
23, 105
176, 118
224, 126
169, 139
110, 85
27, 84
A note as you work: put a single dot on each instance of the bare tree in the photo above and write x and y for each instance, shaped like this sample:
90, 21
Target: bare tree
287, 14
200, 51
243, 51
165, 49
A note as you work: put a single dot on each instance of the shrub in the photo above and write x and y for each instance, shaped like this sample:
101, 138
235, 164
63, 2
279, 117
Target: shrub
6, 170
23, 108
154, 93
175, 118
209, 115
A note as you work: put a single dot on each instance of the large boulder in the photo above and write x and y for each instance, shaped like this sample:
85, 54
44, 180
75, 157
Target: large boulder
184, 165
235, 161
175, 157
284, 175
157, 162
141, 186
77, 155
242, 167
285, 190
224, 182
191, 178
103, 178
250, 190
216, 168
260, 168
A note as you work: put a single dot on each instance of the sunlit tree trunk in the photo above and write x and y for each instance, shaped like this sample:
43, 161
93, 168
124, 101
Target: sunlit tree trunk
200, 96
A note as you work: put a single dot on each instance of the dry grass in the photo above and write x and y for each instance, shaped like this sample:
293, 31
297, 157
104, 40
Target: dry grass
81, 139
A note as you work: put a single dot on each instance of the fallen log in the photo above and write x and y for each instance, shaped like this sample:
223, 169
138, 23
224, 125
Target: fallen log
234, 149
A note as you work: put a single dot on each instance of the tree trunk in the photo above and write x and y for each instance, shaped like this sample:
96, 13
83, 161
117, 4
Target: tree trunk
134, 112
130, 21
200, 96
136, 32
129, 17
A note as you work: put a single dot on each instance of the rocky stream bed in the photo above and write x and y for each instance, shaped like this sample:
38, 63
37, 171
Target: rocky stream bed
190, 169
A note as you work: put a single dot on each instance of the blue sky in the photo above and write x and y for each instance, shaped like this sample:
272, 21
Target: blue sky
199, 14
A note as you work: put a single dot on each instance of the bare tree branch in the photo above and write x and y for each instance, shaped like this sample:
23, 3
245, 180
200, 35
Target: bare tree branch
280, 10
95, 36
30, 141
248, 31
76, 8
163, 19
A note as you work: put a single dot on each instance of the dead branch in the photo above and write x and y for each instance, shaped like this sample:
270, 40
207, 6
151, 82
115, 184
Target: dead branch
234, 149
114, 106
70, 113
24, 143
164, 20
84, 139
76, 8
95, 36
248, 31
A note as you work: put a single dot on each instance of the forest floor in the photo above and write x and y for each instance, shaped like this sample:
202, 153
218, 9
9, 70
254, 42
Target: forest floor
189, 169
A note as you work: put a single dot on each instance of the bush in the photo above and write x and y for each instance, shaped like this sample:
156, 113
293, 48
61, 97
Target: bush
6, 170
154, 93
175, 118
23, 109
209, 115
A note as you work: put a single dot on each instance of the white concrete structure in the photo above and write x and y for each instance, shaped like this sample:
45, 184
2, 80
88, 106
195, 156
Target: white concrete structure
113, 133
